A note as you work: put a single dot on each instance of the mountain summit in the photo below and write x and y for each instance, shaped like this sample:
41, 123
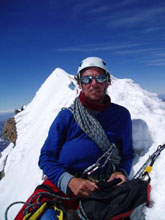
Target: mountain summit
22, 173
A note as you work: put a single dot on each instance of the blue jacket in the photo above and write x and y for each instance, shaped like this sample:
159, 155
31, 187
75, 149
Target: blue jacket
68, 150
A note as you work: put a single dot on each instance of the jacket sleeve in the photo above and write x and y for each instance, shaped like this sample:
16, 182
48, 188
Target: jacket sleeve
48, 160
127, 152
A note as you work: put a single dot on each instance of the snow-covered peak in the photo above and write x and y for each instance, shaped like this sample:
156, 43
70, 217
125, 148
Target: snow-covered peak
22, 173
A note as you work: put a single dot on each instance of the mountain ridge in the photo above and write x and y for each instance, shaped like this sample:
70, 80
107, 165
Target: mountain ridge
22, 170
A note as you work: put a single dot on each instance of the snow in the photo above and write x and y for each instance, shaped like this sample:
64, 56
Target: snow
22, 173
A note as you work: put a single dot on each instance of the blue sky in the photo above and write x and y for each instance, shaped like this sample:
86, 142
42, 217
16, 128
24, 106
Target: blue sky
37, 36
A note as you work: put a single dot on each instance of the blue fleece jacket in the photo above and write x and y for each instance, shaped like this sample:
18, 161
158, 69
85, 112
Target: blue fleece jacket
68, 150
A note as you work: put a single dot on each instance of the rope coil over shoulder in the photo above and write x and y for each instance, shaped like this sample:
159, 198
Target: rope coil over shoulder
94, 130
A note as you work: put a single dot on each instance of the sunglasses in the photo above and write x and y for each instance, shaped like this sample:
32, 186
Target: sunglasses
88, 79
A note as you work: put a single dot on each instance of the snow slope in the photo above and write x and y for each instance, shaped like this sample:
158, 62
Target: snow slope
22, 173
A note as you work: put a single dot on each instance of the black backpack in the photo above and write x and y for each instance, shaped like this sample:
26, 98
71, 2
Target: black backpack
115, 202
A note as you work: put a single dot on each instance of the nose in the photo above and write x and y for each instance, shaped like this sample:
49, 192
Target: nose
94, 82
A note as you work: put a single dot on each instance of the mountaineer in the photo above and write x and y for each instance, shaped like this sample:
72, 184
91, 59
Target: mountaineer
80, 135
88, 143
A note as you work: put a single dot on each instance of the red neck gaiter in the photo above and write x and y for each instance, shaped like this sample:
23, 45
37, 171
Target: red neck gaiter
93, 105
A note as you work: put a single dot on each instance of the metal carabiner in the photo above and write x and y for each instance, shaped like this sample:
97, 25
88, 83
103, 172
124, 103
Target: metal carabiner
91, 169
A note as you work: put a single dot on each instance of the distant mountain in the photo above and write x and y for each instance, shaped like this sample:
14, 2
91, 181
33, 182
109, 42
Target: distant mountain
162, 97
3, 117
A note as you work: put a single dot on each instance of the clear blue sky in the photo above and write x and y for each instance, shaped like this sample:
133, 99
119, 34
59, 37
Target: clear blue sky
37, 36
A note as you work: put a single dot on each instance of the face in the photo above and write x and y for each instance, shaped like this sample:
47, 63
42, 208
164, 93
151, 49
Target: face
94, 90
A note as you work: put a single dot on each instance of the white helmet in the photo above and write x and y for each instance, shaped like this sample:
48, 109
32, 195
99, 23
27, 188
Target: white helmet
92, 62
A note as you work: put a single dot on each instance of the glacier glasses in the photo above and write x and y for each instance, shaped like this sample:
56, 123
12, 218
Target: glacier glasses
88, 79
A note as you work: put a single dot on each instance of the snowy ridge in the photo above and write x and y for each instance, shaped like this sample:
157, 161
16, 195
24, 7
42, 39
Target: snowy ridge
22, 173
142, 105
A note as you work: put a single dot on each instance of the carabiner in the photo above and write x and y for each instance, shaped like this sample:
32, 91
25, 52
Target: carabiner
89, 170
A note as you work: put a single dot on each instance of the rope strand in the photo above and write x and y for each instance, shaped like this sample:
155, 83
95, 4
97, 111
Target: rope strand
94, 130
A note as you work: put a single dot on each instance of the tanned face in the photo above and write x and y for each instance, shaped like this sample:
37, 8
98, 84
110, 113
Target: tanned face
94, 90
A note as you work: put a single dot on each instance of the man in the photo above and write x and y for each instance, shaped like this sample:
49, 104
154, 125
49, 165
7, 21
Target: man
85, 132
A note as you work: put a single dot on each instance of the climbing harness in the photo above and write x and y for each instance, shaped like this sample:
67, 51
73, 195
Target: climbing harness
34, 210
44, 197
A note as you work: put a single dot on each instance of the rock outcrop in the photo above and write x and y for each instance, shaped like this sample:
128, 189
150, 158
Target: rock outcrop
9, 131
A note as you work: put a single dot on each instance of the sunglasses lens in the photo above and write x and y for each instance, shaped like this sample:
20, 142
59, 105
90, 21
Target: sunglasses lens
86, 79
101, 78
